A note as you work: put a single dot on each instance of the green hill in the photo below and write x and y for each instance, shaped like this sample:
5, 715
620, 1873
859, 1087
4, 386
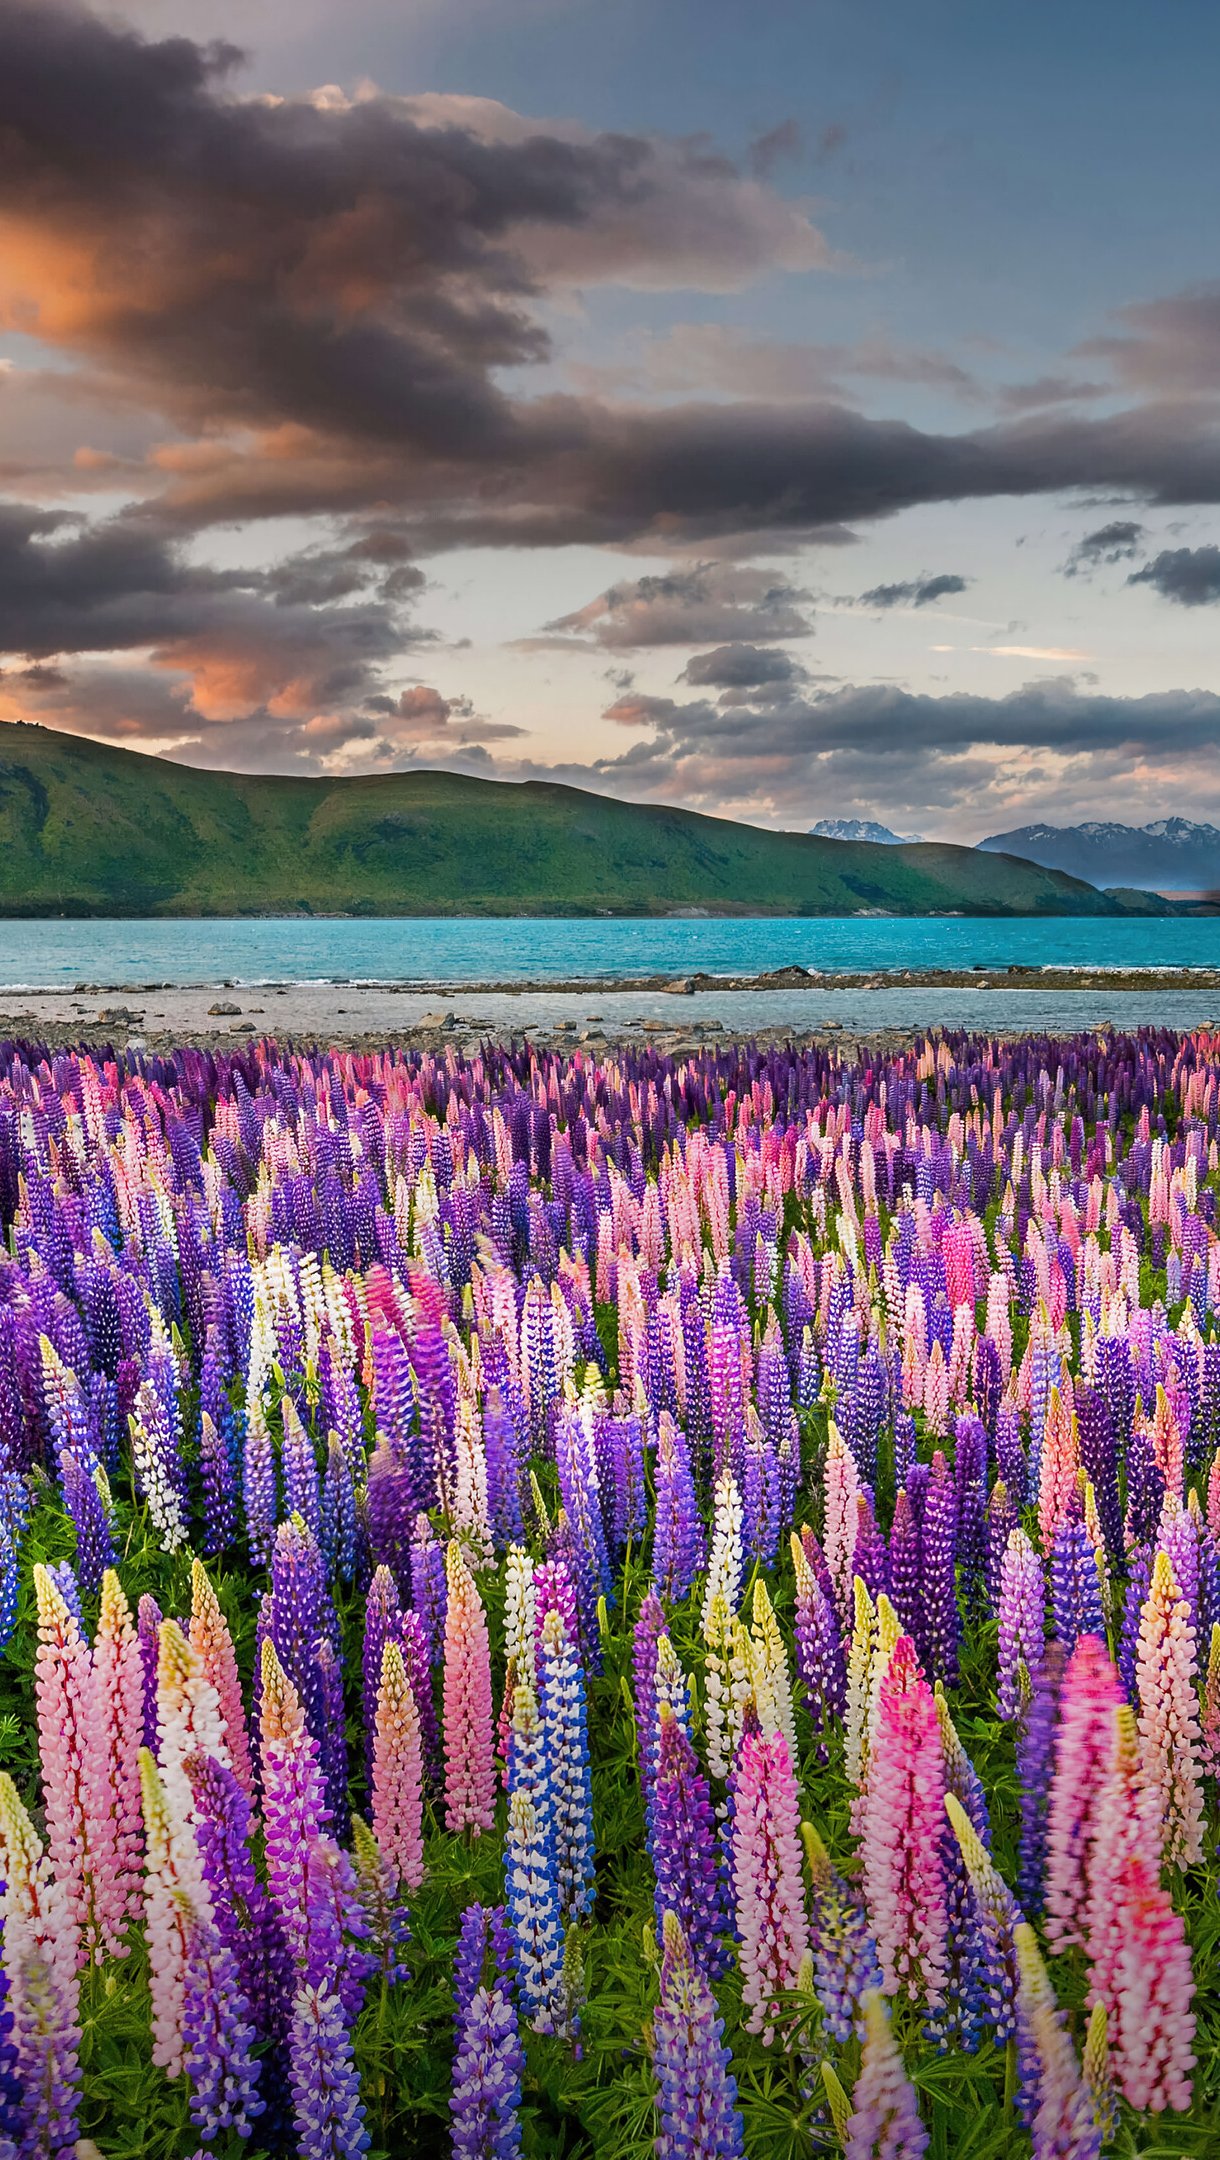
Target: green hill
90, 830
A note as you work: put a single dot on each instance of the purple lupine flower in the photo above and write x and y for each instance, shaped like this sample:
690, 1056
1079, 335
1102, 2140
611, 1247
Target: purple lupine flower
845, 1959
1145, 1491
682, 1842
301, 1615
904, 1447
1002, 1519
1100, 1460
219, 1488
1022, 1621
299, 1464
325, 2087
94, 1543
503, 1471
696, 2093
938, 1543
678, 1545
819, 1649
242, 1912
218, 2038
488, 2062
1035, 1755
1010, 1455
870, 1560
884, 2123
970, 1474
10, 2083
259, 1487
906, 1572
382, 1624
148, 1626
1139, 1582
338, 1513
1075, 1590
429, 1590
332, 1947
649, 1626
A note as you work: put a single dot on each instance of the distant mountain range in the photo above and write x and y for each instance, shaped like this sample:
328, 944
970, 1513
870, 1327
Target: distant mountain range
1168, 855
862, 828
87, 829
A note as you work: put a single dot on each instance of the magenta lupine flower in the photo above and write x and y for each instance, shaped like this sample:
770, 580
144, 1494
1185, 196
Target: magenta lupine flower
696, 2093
772, 1931
1022, 1621
397, 1783
884, 2123
904, 1883
325, 2087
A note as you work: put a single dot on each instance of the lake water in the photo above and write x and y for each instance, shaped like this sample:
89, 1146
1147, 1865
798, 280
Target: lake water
56, 954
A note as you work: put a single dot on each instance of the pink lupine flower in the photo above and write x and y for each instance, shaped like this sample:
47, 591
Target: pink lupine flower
1060, 1464
842, 1485
210, 1638
1211, 1704
115, 1732
174, 1893
63, 1692
470, 1774
1139, 1958
189, 1720
904, 1883
767, 1886
398, 1772
936, 1392
1170, 1740
1083, 1750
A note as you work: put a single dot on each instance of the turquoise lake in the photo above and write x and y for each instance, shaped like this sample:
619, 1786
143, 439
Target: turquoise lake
127, 954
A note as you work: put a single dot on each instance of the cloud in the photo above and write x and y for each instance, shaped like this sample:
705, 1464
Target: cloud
687, 607
1191, 576
691, 357
1120, 541
741, 667
1169, 346
916, 592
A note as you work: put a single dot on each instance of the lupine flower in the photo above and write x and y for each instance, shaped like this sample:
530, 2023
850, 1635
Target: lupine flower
242, 1911
819, 1647
116, 1727
488, 2062
532, 1887
562, 1702
63, 1691
470, 1787
385, 1920
325, 2088
175, 1897
682, 1842
938, 1546
1022, 1621
218, 2037
40, 1956
1169, 1716
1056, 2101
398, 1772
294, 1800
213, 1644
1139, 1960
998, 1914
696, 2094
884, 2122
844, 1954
771, 1925
904, 1882
1083, 1748
158, 1469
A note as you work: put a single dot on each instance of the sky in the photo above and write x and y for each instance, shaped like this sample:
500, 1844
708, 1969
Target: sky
792, 411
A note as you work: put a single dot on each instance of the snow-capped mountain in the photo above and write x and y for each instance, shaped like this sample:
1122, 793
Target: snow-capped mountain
1167, 855
856, 828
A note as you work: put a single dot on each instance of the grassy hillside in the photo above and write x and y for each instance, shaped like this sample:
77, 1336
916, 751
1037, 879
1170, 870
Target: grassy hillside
90, 830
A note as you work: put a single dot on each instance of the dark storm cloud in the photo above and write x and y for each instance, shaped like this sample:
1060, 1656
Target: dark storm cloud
1191, 576
1120, 541
916, 592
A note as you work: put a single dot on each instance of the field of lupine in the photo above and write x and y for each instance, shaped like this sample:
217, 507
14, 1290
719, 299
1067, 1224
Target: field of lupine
581, 1606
